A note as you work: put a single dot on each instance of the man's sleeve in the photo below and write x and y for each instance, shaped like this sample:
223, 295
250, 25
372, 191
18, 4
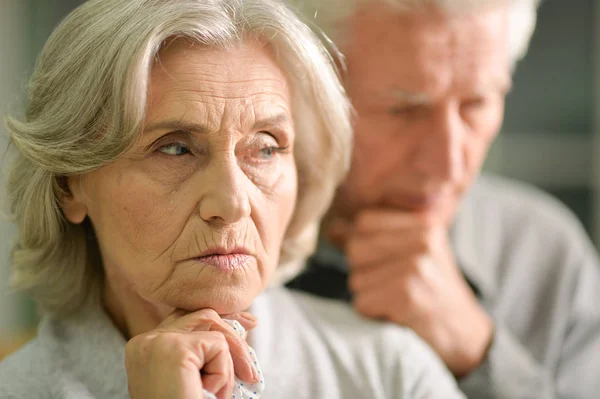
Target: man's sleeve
510, 371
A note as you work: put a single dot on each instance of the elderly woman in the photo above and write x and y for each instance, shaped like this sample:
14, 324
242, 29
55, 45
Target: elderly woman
174, 161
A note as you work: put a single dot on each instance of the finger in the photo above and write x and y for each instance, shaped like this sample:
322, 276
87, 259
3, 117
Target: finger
184, 321
221, 386
172, 318
240, 353
202, 319
390, 301
367, 304
338, 232
218, 371
372, 250
366, 279
374, 220
209, 320
410, 278
247, 320
227, 391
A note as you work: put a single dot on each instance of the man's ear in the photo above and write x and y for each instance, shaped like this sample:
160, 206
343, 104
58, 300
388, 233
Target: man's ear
72, 200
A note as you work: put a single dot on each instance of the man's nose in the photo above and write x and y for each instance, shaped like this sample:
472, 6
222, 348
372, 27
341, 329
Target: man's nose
225, 197
440, 154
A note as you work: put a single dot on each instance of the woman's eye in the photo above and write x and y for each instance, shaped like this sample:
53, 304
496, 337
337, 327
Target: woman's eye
175, 149
267, 146
269, 152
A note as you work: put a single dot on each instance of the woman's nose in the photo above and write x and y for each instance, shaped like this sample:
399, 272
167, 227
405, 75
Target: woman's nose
226, 196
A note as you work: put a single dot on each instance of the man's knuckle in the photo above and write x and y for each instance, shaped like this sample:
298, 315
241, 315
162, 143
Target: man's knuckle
413, 295
420, 271
422, 244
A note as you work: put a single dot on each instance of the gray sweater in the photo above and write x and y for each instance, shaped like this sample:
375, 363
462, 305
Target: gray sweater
535, 271
308, 348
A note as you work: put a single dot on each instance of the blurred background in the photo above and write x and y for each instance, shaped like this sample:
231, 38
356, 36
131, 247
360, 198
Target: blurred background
550, 138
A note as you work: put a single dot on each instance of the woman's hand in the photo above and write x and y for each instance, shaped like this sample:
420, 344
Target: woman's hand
189, 352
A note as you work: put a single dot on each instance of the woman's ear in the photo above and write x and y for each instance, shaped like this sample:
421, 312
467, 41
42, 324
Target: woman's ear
72, 200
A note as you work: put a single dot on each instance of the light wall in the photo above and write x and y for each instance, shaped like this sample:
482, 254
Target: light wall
15, 63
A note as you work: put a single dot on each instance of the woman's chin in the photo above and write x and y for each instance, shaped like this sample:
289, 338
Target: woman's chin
225, 293
221, 300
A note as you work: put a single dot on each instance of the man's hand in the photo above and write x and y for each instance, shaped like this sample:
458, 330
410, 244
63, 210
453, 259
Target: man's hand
402, 269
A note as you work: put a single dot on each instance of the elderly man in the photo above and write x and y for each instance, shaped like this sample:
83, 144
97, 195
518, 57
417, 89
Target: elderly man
497, 277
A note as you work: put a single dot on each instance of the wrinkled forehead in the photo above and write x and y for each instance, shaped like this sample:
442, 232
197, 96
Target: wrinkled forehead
241, 64
414, 49
186, 75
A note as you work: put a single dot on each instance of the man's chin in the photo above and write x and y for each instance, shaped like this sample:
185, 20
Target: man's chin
442, 207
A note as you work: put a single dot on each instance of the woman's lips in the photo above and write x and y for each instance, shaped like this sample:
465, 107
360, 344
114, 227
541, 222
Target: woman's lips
227, 262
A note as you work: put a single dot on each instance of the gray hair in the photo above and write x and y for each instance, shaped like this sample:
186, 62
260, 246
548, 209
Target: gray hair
87, 101
329, 16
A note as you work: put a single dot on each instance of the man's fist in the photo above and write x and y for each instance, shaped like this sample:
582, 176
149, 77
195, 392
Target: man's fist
402, 269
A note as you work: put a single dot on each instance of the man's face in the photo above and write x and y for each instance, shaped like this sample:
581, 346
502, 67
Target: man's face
429, 91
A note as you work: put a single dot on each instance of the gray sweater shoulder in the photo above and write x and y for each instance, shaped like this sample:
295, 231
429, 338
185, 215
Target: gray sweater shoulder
26, 373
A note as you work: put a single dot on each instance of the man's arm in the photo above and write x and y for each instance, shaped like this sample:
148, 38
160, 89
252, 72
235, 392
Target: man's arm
510, 371
578, 372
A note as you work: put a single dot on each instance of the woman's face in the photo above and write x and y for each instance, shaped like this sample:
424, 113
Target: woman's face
194, 215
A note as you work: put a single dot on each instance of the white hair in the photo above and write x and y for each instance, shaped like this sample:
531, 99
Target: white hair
87, 103
329, 16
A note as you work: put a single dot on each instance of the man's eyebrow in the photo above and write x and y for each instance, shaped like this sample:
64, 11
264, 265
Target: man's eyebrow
409, 97
185, 126
417, 98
